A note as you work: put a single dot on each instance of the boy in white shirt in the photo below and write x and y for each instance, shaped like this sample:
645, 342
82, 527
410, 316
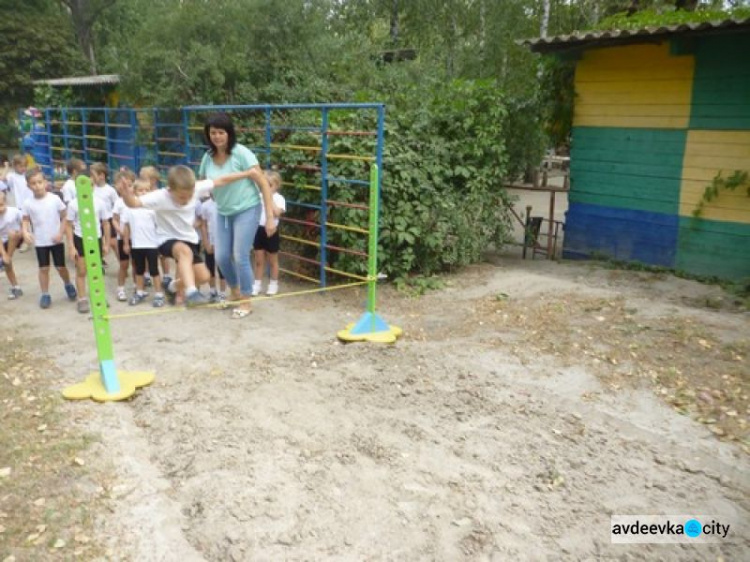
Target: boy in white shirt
17, 182
10, 236
45, 213
75, 245
175, 226
269, 245
108, 195
75, 167
141, 241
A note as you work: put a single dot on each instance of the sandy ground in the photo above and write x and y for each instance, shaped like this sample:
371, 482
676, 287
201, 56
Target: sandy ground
472, 438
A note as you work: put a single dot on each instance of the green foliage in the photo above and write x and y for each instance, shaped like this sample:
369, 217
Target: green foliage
34, 44
445, 162
719, 184
667, 15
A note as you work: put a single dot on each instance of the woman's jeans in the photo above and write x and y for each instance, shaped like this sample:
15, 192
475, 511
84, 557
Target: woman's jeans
234, 239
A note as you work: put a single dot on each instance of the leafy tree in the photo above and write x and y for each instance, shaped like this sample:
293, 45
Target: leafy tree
33, 45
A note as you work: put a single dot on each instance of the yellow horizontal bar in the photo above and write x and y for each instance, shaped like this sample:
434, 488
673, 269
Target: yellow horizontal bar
297, 147
96, 137
195, 128
303, 186
345, 274
300, 240
345, 227
351, 157
74, 122
57, 148
171, 153
295, 274
120, 125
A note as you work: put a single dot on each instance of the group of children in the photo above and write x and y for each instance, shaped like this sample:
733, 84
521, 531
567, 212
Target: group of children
142, 224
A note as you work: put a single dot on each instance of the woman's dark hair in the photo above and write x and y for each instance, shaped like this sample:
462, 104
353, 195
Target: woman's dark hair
220, 121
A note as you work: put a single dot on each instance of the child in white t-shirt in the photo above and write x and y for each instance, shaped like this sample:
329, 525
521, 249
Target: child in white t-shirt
121, 177
141, 241
269, 245
75, 167
108, 195
17, 182
10, 237
45, 213
175, 226
75, 245
210, 216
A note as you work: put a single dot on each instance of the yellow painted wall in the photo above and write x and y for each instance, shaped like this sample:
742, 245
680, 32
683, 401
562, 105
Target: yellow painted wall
634, 86
706, 154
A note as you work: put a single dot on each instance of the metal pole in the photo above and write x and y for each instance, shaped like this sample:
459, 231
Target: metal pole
323, 197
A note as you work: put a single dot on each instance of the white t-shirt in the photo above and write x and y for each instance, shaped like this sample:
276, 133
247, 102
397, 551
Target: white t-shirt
19, 188
69, 190
75, 217
118, 210
10, 221
279, 201
142, 224
176, 222
210, 214
44, 215
3, 186
108, 195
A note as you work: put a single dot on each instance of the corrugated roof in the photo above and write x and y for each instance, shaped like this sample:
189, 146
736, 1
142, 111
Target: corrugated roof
617, 36
96, 80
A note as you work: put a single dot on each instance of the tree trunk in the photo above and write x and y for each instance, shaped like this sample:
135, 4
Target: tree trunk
84, 13
482, 36
545, 19
394, 22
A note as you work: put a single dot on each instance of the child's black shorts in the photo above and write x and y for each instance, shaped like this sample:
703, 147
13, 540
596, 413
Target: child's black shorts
57, 252
124, 256
166, 250
263, 242
78, 243
211, 265
143, 256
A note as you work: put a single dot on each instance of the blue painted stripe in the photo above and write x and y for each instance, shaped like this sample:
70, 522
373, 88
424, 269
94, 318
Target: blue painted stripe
622, 234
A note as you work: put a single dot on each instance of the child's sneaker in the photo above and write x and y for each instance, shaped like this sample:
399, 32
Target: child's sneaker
121, 295
273, 288
257, 287
165, 281
196, 298
158, 301
14, 293
171, 295
45, 301
70, 289
213, 296
137, 298
83, 306
2, 264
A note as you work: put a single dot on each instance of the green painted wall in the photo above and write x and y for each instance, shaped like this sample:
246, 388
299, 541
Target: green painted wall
715, 248
721, 85
638, 169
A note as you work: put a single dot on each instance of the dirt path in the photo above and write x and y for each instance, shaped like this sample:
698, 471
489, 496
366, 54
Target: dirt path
526, 403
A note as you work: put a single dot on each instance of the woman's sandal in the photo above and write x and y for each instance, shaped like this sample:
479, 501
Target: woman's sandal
239, 313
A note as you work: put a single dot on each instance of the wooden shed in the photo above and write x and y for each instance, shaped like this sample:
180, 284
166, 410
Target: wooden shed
659, 112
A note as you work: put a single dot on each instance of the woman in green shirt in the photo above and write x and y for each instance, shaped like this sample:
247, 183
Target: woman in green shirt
238, 205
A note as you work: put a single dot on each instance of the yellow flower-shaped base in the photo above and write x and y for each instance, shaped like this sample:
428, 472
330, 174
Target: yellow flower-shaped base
93, 388
390, 335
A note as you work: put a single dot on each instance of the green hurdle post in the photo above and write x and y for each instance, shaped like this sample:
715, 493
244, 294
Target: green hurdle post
107, 384
371, 327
